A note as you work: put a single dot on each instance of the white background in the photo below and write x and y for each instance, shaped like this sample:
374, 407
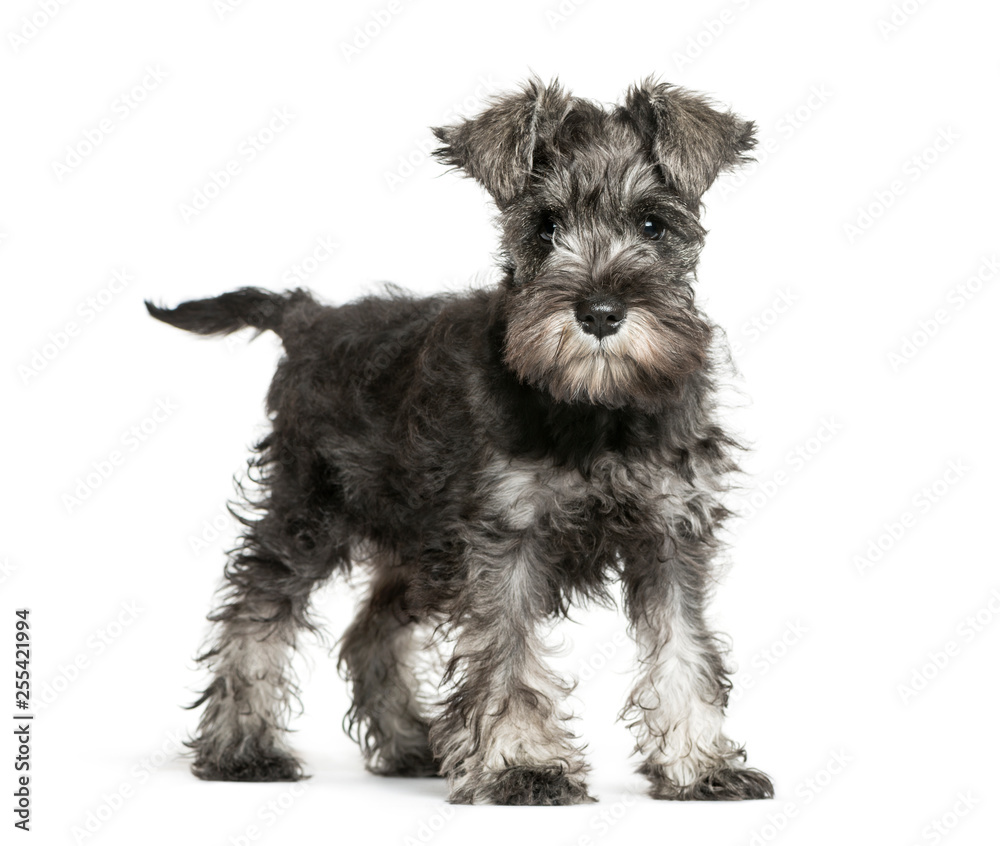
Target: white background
827, 638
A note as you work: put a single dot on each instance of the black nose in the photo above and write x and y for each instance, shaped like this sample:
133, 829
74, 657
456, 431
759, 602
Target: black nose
601, 316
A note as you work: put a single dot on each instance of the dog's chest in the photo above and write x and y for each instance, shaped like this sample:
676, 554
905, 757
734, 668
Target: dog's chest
613, 500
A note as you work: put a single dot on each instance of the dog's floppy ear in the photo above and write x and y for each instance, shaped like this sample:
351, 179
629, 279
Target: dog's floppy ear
691, 139
497, 147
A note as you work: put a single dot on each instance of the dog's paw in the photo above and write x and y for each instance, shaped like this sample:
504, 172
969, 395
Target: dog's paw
256, 766
528, 784
720, 784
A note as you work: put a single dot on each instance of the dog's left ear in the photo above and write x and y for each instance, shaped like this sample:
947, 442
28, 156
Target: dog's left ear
691, 140
497, 148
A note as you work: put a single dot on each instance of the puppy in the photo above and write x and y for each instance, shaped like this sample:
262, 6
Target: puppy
492, 458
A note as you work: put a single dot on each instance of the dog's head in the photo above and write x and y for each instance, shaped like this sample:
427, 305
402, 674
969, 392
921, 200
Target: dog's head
599, 212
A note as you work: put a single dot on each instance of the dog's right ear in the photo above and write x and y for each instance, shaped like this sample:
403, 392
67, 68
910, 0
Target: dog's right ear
497, 147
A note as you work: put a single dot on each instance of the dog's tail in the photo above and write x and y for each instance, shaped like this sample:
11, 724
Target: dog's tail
263, 310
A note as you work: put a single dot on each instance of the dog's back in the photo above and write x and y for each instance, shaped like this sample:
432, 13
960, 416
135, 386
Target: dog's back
345, 440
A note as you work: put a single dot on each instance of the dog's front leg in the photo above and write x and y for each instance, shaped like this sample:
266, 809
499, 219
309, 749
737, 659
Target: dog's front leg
676, 708
502, 737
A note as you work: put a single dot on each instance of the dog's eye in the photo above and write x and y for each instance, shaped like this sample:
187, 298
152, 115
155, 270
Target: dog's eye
546, 230
652, 228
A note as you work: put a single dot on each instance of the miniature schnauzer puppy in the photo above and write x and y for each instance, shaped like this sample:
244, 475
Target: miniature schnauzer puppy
492, 458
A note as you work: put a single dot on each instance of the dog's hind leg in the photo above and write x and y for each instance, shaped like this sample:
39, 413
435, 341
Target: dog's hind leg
377, 656
241, 735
